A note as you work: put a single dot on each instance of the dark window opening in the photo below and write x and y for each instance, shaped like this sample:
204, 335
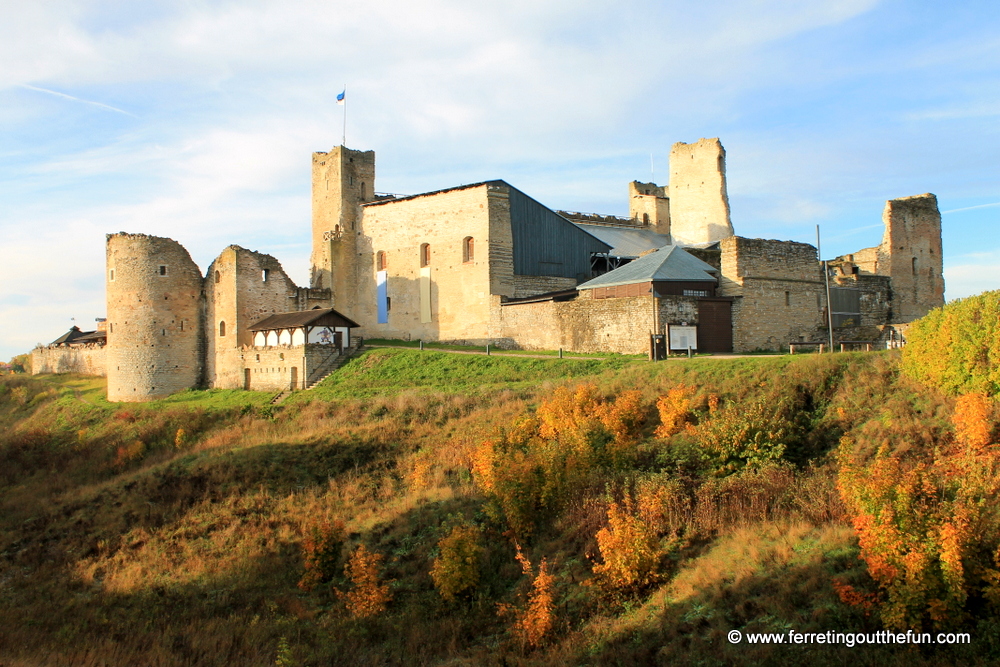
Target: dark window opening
425, 254
163, 269
788, 299
468, 249
265, 274
222, 329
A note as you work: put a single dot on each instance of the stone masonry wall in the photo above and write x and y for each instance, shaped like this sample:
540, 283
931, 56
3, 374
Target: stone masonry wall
699, 202
242, 287
619, 325
779, 289
460, 290
86, 360
155, 334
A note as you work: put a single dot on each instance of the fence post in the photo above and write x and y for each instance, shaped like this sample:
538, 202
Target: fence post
487, 349
560, 353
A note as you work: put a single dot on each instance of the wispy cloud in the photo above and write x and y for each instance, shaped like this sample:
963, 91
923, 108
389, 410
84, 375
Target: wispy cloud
77, 99
972, 208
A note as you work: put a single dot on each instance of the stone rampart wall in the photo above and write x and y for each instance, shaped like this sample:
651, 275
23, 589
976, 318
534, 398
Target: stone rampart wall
85, 360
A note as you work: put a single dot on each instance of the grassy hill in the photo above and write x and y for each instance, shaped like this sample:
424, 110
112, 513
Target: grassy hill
578, 511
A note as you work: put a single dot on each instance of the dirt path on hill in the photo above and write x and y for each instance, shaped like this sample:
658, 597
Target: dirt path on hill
500, 353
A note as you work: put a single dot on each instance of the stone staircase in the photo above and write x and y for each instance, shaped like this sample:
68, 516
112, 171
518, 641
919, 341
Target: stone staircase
331, 365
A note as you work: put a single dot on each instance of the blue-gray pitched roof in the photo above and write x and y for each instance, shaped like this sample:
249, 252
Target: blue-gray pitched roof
670, 263
624, 241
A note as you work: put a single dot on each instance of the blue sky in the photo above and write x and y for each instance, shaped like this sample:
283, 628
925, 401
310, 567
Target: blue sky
195, 120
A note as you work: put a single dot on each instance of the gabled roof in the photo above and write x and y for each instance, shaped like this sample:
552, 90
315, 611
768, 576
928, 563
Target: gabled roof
303, 318
70, 336
625, 241
670, 263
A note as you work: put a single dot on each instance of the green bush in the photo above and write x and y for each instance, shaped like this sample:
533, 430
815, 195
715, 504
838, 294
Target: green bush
957, 348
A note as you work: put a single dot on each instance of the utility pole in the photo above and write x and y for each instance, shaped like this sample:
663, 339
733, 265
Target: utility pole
826, 280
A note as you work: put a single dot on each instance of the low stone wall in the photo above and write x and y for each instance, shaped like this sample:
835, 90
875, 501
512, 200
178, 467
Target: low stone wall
283, 367
86, 360
619, 325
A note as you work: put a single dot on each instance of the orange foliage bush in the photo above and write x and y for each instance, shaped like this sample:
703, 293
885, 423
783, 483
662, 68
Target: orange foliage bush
533, 623
973, 426
369, 596
630, 547
675, 410
535, 466
321, 547
927, 529
456, 569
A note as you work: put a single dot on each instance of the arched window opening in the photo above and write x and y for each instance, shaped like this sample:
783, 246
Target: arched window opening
380, 261
364, 193
645, 218
468, 249
222, 329
914, 266
218, 277
425, 254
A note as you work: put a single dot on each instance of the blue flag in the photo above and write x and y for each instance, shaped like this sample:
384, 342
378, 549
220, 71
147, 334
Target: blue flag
342, 96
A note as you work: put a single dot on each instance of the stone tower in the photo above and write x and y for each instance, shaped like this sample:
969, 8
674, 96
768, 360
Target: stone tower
910, 254
699, 203
155, 339
649, 203
343, 179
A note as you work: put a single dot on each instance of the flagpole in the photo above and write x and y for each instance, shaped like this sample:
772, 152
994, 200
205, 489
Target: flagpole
344, 137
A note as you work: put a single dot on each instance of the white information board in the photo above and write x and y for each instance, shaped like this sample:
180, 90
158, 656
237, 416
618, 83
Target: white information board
683, 337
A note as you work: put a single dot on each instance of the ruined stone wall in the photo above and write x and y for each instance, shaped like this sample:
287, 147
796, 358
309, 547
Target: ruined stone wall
649, 204
699, 202
342, 180
779, 289
910, 254
242, 287
85, 360
584, 324
155, 333
460, 290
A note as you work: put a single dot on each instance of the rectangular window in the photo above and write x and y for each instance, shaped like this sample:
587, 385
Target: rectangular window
696, 292
163, 269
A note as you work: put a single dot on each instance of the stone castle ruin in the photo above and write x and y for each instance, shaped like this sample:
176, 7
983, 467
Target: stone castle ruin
485, 263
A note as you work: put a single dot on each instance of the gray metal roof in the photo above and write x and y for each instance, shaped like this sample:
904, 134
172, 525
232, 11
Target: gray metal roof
670, 263
626, 242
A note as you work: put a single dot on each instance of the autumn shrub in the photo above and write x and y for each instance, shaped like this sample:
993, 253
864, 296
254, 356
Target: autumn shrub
534, 620
368, 595
675, 410
532, 468
750, 433
322, 544
973, 420
956, 348
630, 546
456, 568
928, 529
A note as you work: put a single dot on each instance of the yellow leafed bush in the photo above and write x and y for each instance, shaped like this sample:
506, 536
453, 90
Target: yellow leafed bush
456, 569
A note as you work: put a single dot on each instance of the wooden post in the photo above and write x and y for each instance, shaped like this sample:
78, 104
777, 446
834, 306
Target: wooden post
821, 348
560, 353
487, 349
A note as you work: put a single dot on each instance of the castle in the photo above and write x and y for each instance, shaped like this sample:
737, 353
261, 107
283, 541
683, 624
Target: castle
486, 263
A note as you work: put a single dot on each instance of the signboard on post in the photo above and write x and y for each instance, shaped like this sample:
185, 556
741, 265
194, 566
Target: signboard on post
683, 336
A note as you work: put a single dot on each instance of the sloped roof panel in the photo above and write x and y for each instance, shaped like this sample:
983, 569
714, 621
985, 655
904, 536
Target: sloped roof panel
625, 242
670, 263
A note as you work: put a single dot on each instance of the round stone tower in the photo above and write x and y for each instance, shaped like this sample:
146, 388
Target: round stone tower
155, 331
